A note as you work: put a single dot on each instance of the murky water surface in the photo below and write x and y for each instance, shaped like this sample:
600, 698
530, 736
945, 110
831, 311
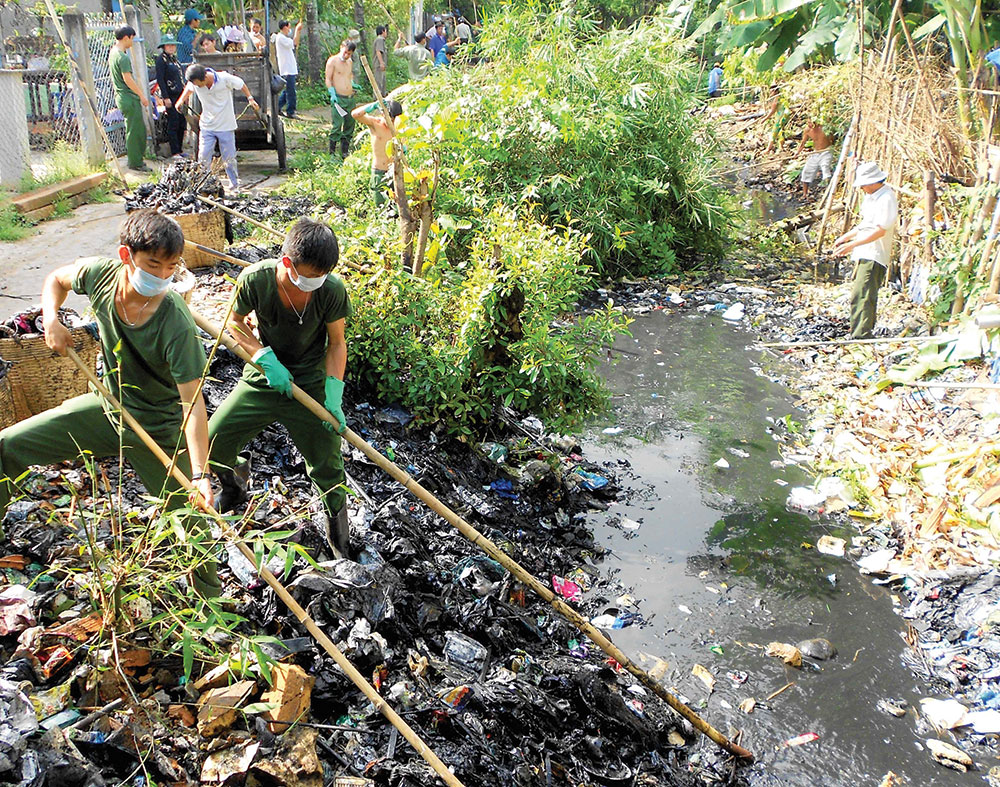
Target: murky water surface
718, 561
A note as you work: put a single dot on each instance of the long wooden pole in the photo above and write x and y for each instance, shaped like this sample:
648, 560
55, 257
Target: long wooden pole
86, 91
835, 181
245, 217
845, 342
301, 615
491, 549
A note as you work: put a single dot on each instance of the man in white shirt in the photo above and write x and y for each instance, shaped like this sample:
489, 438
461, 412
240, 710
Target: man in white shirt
463, 30
288, 69
870, 245
218, 115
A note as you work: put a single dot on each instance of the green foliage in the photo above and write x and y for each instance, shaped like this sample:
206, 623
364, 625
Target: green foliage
496, 328
65, 162
579, 133
12, 226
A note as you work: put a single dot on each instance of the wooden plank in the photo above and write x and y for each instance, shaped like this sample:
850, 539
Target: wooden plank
47, 210
49, 194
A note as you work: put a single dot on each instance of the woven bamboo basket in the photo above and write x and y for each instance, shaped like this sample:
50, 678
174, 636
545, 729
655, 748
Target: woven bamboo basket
7, 415
39, 379
207, 229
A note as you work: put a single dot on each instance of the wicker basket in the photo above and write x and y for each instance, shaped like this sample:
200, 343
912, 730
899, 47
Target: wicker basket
39, 379
207, 229
7, 415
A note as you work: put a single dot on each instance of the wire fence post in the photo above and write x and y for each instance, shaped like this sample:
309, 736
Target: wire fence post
140, 70
75, 26
14, 153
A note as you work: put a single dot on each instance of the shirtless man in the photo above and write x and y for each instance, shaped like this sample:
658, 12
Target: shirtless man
821, 158
340, 84
381, 134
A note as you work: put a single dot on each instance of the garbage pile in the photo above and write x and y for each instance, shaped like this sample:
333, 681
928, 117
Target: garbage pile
502, 689
177, 189
29, 323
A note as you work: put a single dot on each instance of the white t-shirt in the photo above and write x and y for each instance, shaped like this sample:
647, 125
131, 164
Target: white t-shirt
217, 113
463, 31
285, 48
878, 210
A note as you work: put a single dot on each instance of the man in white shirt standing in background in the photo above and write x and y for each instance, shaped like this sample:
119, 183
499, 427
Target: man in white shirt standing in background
870, 245
218, 115
288, 69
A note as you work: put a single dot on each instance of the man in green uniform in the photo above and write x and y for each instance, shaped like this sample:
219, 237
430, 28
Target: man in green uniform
300, 310
153, 361
129, 98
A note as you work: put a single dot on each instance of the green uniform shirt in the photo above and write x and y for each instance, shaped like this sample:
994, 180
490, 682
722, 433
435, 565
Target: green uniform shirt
120, 63
143, 365
301, 348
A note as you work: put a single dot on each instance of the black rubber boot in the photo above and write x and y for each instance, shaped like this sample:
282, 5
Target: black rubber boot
234, 487
333, 145
345, 147
339, 533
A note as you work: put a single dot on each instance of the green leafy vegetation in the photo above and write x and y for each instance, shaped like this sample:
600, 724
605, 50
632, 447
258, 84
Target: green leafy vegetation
12, 226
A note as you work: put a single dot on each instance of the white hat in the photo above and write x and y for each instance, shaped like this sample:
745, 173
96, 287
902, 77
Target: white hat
868, 173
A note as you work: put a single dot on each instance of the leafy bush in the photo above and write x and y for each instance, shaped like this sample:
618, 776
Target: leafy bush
581, 127
497, 328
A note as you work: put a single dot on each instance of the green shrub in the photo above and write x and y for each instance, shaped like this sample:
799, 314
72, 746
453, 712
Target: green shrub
580, 127
499, 328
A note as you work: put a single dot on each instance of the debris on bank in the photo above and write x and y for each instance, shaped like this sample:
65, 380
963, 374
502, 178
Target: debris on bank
105, 674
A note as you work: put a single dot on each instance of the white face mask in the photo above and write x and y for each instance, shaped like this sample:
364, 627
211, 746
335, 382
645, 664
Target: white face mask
305, 283
145, 283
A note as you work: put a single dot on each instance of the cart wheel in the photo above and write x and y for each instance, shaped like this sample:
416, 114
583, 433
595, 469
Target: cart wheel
279, 143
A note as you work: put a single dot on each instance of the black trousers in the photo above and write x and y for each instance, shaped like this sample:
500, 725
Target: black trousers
176, 125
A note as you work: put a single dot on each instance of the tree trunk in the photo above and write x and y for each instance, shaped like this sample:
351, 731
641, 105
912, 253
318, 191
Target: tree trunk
312, 42
359, 22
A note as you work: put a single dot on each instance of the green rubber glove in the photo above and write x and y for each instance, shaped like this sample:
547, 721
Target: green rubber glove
334, 403
355, 85
333, 95
278, 377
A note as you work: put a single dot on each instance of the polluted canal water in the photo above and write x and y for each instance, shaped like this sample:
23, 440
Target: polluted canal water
721, 568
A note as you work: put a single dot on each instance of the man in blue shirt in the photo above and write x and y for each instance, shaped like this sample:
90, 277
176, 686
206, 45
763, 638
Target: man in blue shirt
437, 42
444, 55
715, 82
186, 36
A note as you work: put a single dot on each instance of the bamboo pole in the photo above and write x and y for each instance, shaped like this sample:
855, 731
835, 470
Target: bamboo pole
835, 181
245, 217
987, 256
301, 615
938, 339
192, 246
491, 549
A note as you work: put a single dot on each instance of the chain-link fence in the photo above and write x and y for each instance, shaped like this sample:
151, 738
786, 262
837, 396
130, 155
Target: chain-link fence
100, 39
48, 95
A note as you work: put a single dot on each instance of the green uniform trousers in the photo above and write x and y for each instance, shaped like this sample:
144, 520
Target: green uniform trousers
378, 187
868, 277
342, 129
135, 129
249, 409
80, 424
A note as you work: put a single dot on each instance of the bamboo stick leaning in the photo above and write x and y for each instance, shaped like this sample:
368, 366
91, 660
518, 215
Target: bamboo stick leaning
491, 549
301, 615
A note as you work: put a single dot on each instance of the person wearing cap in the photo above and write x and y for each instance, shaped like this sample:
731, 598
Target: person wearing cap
870, 245
170, 80
715, 81
186, 36
288, 68
463, 30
